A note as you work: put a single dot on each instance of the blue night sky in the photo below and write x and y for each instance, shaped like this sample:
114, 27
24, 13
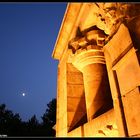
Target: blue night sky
28, 32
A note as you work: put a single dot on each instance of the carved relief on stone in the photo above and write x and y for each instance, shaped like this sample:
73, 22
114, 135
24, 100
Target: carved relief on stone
94, 37
113, 14
110, 16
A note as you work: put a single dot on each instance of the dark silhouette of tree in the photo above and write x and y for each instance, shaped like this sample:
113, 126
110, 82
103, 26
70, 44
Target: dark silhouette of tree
12, 125
33, 121
49, 117
9, 123
32, 125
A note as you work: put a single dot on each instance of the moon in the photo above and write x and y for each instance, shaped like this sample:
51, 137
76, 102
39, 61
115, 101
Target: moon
23, 94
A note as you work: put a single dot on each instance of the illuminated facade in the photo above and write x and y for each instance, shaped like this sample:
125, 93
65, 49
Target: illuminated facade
98, 87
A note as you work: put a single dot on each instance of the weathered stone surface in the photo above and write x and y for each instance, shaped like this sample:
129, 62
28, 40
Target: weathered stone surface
76, 104
76, 132
120, 120
94, 72
134, 30
73, 118
131, 102
76, 107
93, 37
74, 78
98, 127
119, 44
124, 76
62, 133
61, 121
96, 88
75, 90
61, 115
128, 71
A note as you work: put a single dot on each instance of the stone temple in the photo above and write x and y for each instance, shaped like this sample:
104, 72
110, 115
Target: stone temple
98, 83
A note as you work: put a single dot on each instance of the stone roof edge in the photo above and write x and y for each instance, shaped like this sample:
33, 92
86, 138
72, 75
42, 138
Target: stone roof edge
66, 29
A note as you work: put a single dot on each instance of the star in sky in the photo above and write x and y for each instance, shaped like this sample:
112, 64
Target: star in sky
23, 94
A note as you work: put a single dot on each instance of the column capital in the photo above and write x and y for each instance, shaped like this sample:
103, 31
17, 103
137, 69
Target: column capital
93, 36
85, 57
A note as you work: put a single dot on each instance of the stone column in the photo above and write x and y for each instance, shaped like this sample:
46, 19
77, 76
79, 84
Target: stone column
91, 63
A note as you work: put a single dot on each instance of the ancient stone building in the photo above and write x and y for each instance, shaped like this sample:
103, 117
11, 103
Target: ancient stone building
98, 87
